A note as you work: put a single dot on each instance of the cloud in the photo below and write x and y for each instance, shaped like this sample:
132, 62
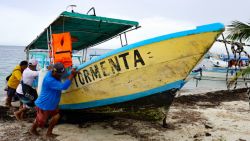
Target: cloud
19, 27
219, 48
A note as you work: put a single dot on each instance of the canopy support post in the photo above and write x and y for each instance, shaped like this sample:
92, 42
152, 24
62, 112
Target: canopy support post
84, 55
27, 54
121, 40
49, 42
125, 37
228, 59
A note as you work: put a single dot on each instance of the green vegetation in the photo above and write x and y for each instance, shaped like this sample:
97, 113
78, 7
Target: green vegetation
239, 32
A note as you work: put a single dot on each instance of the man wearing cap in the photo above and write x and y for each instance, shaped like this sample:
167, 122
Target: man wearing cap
49, 98
24, 91
14, 80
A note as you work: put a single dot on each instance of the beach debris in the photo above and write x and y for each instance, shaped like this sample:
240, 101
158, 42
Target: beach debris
208, 125
164, 122
167, 125
198, 135
207, 134
5, 113
208, 104
197, 139
240, 139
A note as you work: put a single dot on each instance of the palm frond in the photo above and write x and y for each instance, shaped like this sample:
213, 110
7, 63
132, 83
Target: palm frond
239, 74
239, 31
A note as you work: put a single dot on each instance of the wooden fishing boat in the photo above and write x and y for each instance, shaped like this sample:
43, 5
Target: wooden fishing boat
141, 74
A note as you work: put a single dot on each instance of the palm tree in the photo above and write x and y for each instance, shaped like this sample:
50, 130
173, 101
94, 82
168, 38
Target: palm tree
239, 31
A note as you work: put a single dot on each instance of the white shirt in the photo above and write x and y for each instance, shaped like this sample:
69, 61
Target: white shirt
28, 77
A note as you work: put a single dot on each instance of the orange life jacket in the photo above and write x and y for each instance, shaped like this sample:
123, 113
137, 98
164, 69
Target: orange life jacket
62, 48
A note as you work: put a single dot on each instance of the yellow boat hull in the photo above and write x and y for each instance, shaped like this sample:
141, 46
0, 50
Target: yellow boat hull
139, 70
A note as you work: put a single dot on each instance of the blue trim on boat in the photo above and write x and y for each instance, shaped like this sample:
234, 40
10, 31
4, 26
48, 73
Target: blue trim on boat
200, 29
177, 84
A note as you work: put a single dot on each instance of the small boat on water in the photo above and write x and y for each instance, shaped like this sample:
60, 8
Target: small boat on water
218, 62
213, 69
233, 62
140, 74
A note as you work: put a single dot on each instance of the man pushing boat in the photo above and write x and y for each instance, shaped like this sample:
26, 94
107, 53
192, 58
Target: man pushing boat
25, 92
14, 80
49, 98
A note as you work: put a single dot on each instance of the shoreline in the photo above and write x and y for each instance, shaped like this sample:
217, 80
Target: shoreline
208, 116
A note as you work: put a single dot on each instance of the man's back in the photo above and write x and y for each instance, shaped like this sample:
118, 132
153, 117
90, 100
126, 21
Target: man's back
28, 77
50, 95
15, 78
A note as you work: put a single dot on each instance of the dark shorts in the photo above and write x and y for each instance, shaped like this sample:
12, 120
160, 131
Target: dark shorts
25, 100
11, 92
42, 116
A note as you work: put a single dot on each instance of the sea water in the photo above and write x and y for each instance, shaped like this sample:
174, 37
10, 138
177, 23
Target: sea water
10, 56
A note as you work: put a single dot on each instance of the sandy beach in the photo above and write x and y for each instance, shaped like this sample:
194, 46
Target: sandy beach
213, 116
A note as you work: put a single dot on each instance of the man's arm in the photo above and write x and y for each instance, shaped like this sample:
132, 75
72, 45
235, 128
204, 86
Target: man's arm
73, 73
34, 73
63, 85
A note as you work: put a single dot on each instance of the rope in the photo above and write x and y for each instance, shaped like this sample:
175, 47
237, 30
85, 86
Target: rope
243, 76
228, 57
230, 42
216, 79
235, 66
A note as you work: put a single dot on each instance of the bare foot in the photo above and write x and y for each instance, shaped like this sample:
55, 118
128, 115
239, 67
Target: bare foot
17, 116
33, 132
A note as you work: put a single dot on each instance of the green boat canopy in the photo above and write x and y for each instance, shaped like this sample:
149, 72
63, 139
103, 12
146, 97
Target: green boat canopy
85, 30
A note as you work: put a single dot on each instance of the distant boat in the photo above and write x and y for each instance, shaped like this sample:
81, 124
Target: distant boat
141, 74
218, 62
225, 57
218, 70
231, 62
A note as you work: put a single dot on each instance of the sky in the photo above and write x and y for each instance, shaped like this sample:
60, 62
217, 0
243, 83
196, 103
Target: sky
23, 20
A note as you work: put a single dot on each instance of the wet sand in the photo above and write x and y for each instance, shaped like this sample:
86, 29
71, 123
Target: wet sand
213, 116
